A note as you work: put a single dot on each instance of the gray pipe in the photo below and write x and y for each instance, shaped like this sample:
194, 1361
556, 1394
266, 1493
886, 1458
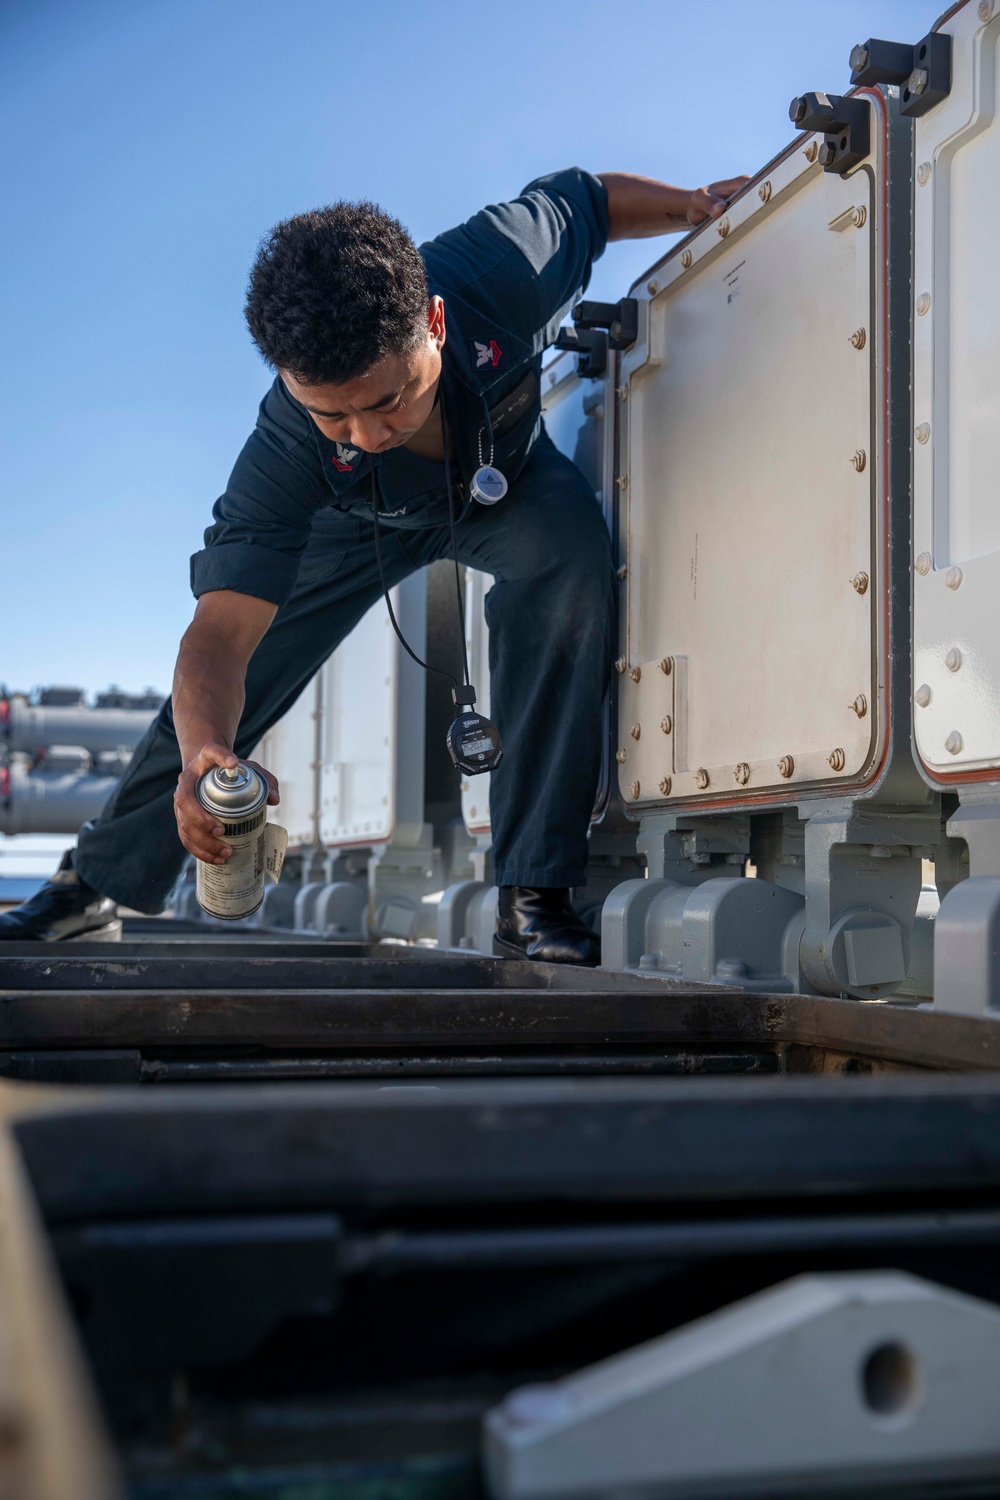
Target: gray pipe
31, 728
50, 804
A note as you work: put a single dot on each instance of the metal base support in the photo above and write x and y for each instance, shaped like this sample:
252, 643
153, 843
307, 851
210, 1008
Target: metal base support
400, 875
967, 948
967, 931
853, 1381
724, 930
863, 881
835, 916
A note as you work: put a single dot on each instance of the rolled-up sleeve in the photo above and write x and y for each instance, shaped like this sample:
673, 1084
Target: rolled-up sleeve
262, 522
528, 260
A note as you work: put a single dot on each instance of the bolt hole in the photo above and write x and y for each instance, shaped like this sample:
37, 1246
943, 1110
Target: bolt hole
890, 1380
843, 143
922, 54
906, 96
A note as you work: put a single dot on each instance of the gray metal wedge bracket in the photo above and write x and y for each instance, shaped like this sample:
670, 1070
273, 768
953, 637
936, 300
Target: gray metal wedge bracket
826, 1382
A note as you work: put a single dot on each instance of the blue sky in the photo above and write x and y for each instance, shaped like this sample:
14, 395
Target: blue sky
149, 145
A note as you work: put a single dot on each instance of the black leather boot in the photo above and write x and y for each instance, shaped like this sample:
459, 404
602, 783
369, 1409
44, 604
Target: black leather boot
538, 922
65, 907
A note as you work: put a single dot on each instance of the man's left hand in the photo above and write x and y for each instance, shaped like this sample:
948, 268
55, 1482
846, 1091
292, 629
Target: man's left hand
711, 202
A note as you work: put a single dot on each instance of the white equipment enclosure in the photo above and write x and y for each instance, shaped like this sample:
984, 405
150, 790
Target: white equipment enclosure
753, 505
337, 752
956, 414
577, 418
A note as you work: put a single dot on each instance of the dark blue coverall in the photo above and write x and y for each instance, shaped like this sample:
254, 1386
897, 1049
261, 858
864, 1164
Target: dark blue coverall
295, 527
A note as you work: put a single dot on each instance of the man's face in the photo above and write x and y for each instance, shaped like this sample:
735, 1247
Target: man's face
387, 405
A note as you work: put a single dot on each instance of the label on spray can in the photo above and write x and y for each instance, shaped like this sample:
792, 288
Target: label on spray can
238, 798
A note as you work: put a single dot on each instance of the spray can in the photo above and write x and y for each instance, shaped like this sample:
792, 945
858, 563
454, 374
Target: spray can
238, 798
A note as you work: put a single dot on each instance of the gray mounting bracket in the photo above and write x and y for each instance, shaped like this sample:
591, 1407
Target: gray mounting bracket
824, 1383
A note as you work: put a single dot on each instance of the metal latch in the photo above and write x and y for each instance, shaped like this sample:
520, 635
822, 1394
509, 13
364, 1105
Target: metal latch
591, 345
621, 319
922, 71
845, 123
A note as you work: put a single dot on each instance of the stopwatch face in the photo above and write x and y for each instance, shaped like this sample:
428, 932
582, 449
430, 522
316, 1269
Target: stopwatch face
488, 485
474, 744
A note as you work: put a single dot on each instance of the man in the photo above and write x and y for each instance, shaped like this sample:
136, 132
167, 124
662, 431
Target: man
392, 363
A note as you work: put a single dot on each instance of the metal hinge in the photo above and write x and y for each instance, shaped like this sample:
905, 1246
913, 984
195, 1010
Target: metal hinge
845, 123
621, 319
922, 71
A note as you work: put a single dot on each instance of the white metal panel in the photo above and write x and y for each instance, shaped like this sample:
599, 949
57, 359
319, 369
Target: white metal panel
752, 515
288, 750
349, 753
956, 452
372, 753
575, 419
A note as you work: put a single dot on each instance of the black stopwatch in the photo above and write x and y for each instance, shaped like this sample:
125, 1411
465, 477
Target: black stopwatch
474, 742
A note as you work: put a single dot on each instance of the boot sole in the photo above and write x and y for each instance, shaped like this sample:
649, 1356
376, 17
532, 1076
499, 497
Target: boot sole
111, 932
503, 949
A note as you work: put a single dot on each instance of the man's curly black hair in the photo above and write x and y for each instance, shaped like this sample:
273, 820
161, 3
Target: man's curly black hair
334, 291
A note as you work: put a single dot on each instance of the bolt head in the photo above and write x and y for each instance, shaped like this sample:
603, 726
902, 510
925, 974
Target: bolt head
953, 661
623, 571
953, 578
924, 173
620, 757
812, 151
797, 110
635, 731
923, 304
923, 695
859, 58
723, 227
860, 705
764, 191
860, 582
701, 778
953, 743
786, 766
860, 460
918, 81
634, 790
837, 760
667, 665
666, 724
665, 786
622, 393
922, 563
621, 664
742, 773
923, 432
985, 9
859, 338
652, 287
686, 258
635, 674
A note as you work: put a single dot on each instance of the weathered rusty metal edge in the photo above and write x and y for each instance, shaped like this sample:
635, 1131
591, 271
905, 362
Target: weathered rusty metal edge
398, 1019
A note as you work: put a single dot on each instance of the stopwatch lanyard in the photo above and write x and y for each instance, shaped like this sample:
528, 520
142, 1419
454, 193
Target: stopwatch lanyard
456, 687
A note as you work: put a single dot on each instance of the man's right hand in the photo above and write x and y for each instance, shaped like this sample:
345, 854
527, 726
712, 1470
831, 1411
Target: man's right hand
200, 831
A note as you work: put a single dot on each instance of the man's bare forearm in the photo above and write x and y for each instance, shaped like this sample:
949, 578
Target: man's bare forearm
639, 207
208, 692
208, 704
